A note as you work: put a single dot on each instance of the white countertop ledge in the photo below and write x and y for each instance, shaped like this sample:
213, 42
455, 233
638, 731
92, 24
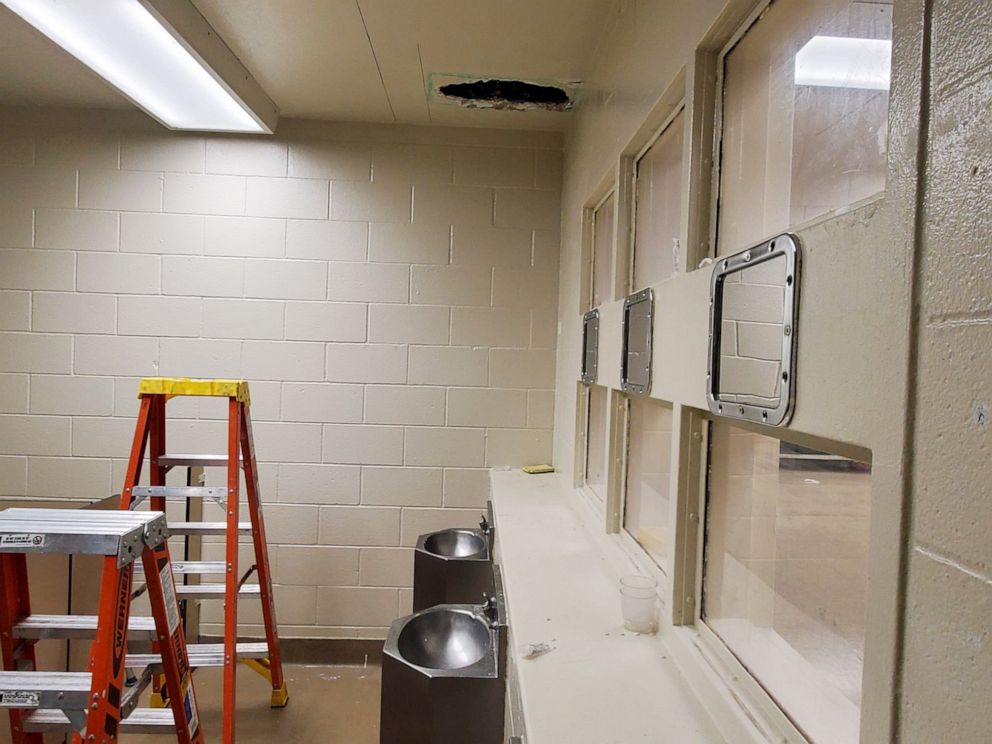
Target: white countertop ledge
601, 684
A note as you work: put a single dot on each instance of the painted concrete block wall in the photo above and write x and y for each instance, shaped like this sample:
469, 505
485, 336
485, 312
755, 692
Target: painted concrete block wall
948, 648
390, 292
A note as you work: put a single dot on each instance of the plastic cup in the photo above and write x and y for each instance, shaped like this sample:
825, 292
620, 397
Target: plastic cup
639, 603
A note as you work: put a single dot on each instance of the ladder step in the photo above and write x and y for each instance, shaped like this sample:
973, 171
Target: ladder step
203, 655
62, 690
141, 721
217, 493
78, 627
187, 461
213, 591
192, 568
206, 528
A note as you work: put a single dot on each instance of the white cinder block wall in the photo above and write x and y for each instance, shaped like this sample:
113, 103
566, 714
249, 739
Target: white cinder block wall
390, 292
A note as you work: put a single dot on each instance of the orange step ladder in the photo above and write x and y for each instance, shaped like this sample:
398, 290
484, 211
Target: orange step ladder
94, 706
150, 437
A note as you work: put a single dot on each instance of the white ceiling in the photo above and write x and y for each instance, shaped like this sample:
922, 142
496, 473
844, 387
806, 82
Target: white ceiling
351, 60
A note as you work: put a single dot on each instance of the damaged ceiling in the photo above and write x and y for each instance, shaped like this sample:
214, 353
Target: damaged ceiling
357, 60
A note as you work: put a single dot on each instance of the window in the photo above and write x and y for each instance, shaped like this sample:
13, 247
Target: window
603, 218
649, 446
597, 435
805, 108
658, 207
785, 568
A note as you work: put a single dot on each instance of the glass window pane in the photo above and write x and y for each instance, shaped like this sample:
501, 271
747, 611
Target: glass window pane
785, 573
805, 108
602, 251
596, 440
649, 447
658, 213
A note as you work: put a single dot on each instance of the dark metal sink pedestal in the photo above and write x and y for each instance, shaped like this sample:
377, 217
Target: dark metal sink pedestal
444, 675
453, 566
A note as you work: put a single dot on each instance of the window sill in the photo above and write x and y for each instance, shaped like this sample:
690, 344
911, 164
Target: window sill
600, 683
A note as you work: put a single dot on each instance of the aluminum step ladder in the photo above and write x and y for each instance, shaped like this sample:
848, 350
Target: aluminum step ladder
150, 438
94, 706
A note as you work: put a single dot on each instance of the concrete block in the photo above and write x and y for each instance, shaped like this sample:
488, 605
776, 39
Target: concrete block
326, 321
76, 230
118, 273
444, 365
401, 486
300, 198
322, 402
327, 240
408, 324
68, 312
367, 363
125, 191
363, 445
196, 194
401, 404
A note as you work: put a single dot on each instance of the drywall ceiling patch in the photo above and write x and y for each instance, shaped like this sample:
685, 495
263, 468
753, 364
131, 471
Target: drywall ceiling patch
499, 93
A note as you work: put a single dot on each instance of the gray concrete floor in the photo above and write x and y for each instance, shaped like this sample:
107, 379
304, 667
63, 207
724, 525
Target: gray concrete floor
335, 704
327, 704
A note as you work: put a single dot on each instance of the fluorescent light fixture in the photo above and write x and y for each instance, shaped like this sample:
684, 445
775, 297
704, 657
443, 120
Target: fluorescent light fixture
841, 62
131, 45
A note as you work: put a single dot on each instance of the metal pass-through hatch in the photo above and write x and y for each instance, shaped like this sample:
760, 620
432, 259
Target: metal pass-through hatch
638, 328
754, 309
590, 347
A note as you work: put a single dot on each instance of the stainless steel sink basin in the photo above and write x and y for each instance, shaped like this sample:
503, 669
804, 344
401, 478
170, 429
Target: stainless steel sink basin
444, 675
444, 638
454, 566
456, 543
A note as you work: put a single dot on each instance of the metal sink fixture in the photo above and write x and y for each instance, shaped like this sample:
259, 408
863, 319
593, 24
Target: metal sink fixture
444, 674
453, 566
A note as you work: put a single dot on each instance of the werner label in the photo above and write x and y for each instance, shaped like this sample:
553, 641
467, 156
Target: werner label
21, 540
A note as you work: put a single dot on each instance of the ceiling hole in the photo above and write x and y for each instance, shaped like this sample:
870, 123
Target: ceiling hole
508, 94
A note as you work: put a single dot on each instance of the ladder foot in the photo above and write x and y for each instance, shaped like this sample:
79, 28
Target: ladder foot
158, 701
280, 697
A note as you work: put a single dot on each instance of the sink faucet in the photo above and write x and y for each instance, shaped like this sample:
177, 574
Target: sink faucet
484, 525
490, 609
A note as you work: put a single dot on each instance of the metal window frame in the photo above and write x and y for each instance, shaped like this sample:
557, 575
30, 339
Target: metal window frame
589, 369
634, 389
785, 246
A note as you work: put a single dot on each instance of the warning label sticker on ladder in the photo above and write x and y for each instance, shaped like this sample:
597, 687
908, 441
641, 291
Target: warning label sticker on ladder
19, 699
189, 703
21, 540
171, 605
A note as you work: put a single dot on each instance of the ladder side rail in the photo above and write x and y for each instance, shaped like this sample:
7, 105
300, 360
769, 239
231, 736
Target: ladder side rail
137, 452
280, 693
107, 652
156, 442
156, 477
15, 604
171, 643
231, 578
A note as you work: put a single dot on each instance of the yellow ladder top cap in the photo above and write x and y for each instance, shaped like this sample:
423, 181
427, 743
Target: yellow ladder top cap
173, 386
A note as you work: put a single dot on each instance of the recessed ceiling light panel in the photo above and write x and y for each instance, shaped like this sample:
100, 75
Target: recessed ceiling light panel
842, 62
134, 46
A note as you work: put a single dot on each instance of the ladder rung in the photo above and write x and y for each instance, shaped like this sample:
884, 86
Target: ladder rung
206, 528
78, 627
192, 568
63, 690
217, 493
185, 461
141, 721
213, 591
204, 655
